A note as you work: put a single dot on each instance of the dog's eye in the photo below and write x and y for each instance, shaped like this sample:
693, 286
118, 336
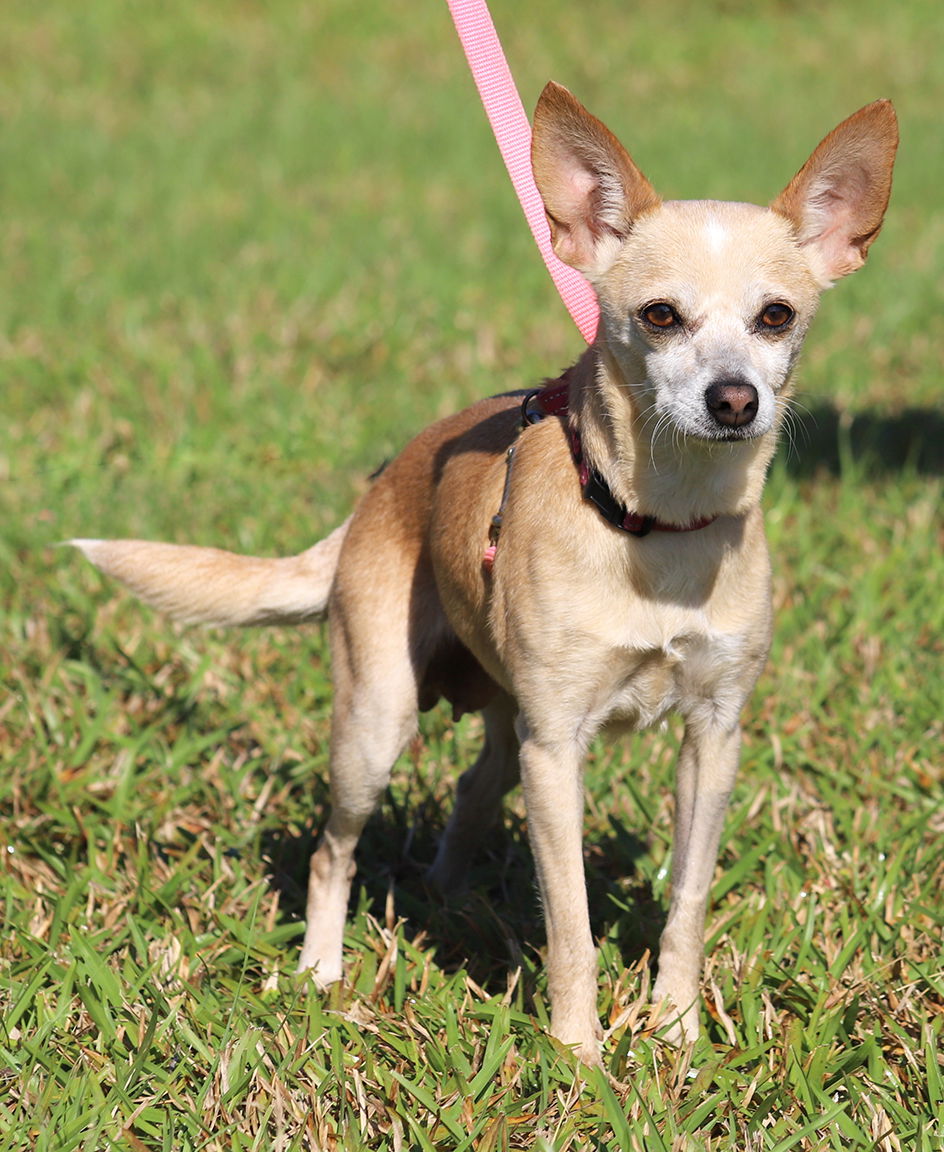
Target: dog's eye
776, 315
660, 315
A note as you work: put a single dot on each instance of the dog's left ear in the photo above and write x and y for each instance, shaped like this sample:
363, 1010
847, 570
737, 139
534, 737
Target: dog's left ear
837, 200
592, 190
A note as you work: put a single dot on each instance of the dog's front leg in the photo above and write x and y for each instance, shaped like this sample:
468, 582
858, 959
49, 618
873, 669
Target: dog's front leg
706, 771
552, 780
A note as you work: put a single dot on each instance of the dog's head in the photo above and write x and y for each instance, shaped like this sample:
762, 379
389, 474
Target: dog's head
704, 304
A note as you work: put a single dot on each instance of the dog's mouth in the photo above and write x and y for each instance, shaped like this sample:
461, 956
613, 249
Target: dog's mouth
709, 432
733, 435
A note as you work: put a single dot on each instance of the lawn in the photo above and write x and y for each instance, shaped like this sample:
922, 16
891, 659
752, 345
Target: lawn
246, 250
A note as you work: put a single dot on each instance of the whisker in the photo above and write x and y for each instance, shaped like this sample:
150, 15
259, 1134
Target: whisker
791, 425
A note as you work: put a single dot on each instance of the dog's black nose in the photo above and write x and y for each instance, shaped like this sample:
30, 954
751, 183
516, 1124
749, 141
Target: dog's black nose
732, 403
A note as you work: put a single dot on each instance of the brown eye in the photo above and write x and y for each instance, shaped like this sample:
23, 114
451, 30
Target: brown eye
660, 315
776, 315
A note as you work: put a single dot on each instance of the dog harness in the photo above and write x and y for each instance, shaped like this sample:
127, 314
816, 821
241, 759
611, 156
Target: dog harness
536, 406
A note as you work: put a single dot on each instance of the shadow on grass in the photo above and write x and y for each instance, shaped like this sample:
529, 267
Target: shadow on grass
497, 927
824, 439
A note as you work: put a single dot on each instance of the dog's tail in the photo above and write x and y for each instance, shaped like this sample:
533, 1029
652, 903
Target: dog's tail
209, 586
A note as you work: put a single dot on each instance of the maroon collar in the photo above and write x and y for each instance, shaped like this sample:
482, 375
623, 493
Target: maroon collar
553, 400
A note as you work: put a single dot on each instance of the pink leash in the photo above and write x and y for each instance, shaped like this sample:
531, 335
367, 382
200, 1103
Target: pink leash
507, 117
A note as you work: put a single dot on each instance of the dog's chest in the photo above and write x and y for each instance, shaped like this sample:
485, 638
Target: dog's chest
693, 672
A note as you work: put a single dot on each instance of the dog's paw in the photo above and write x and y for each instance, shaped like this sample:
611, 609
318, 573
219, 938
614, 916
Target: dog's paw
448, 875
322, 972
581, 1037
678, 1028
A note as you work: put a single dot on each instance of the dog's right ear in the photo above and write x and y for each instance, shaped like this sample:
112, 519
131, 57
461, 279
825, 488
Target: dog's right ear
592, 190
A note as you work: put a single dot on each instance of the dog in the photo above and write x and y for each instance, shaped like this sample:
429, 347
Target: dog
591, 566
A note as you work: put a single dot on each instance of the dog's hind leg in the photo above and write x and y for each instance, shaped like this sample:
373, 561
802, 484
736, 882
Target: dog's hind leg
478, 797
366, 740
375, 708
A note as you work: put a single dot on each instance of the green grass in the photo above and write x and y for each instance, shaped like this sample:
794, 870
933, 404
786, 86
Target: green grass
245, 251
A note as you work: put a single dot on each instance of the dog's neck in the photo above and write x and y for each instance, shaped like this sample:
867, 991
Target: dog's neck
653, 468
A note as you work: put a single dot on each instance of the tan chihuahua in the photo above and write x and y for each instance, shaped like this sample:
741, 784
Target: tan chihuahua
630, 577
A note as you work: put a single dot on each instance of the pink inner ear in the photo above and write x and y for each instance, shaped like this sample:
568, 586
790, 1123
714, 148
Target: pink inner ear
831, 220
574, 199
838, 255
573, 226
582, 185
